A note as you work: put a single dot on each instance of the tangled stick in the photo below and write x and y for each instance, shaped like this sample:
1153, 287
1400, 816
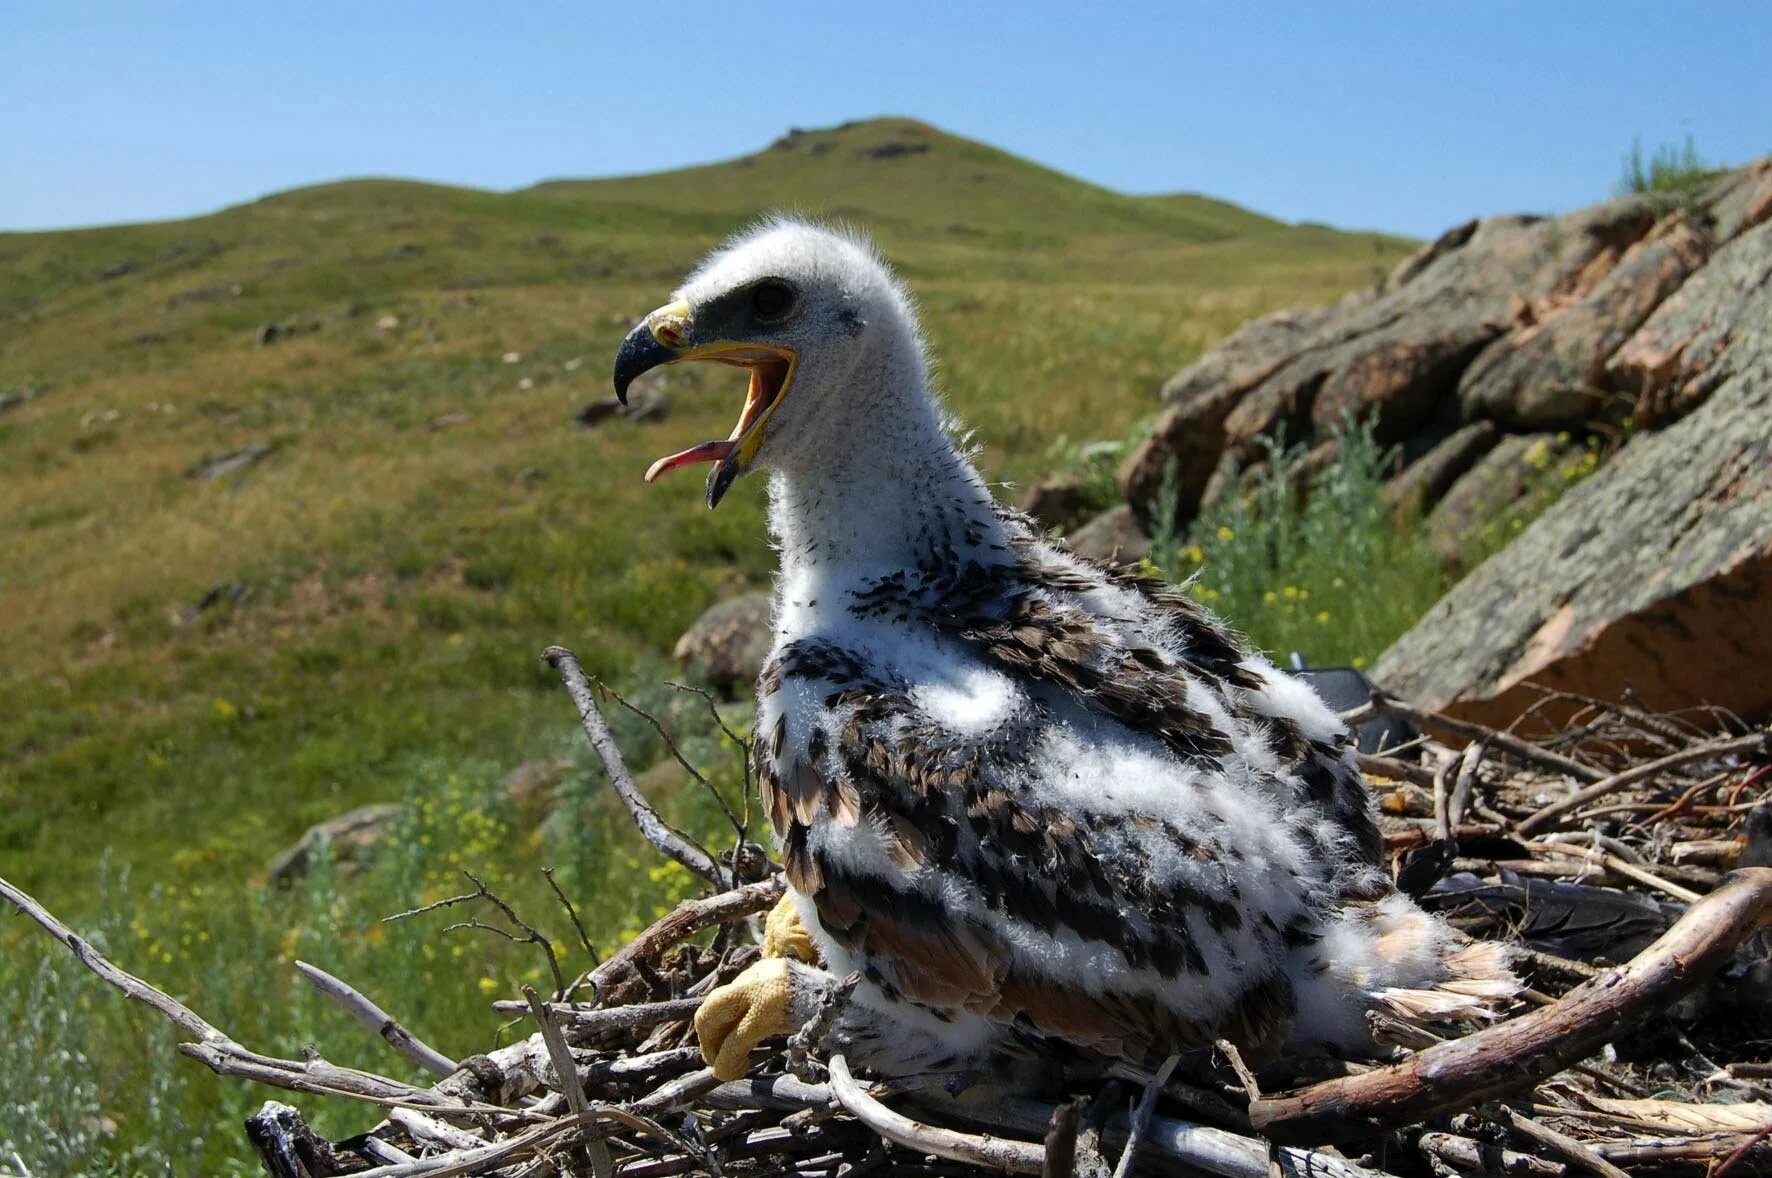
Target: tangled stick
616, 1086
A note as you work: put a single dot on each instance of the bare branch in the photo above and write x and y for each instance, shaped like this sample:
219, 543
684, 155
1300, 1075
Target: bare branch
360, 1007
186, 1019
657, 832
1564, 1146
1141, 1119
1014, 1157
531, 934
670, 741
572, 915
1531, 754
683, 922
1758, 742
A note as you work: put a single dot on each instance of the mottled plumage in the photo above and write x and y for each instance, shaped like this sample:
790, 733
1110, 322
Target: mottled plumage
1042, 806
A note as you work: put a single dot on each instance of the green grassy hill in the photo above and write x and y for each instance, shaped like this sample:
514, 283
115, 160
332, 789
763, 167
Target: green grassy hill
426, 516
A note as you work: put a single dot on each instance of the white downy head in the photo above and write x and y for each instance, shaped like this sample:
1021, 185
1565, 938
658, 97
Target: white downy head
839, 406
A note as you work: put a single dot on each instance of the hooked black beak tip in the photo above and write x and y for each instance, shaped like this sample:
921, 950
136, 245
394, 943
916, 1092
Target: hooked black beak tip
720, 481
639, 354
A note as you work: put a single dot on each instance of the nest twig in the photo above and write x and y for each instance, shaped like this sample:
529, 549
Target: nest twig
1618, 807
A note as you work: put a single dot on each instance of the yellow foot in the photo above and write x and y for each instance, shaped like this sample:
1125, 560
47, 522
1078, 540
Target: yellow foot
745, 1011
785, 936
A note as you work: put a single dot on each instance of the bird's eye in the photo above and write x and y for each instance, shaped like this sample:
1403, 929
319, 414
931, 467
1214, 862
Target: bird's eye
772, 300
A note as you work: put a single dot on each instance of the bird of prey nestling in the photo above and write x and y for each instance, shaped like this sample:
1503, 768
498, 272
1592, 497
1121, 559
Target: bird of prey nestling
1048, 810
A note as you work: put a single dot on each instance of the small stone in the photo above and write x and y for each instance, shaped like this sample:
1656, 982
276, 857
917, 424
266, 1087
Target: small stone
232, 462
1058, 500
729, 642
1113, 537
531, 785
355, 837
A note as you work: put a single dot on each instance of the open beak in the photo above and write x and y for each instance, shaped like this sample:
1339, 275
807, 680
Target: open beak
665, 337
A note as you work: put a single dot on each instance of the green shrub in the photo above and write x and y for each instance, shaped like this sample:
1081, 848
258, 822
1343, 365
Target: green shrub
1672, 170
1334, 575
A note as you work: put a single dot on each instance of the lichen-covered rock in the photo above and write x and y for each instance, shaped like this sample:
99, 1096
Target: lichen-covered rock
729, 642
1739, 200
1550, 371
1499, 479
1670, 363
1654, 574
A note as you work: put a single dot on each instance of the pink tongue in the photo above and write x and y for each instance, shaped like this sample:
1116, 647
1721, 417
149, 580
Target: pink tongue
705, 452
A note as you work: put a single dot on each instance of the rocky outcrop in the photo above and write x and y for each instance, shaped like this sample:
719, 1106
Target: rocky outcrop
1655, 574
1526, 324
1550, 371
1426, 481
729, 642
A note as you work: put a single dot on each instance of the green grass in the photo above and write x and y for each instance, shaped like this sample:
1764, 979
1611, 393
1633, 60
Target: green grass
1669, 170
1297, 573
401, 579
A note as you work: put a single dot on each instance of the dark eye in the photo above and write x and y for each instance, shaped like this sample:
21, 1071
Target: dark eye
772, 299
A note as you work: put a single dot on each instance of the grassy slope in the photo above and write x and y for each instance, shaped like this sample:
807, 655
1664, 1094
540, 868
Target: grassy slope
402, 577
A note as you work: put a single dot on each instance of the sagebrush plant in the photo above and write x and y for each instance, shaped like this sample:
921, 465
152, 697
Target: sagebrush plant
1326, 570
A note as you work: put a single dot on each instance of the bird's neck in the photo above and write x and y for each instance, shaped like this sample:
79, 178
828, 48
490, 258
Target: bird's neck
884, 487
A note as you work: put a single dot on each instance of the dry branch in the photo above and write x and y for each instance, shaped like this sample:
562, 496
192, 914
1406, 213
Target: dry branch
596, 729
1527, 1050
354, 1003
1754, 743
615, 1086
1467, 730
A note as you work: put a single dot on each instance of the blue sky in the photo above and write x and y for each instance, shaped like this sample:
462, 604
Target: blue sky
1407, 117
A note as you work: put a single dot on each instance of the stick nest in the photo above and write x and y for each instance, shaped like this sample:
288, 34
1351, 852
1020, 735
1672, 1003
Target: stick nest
1620, 852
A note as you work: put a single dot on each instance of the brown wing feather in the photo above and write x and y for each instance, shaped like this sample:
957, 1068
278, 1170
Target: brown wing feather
922, 951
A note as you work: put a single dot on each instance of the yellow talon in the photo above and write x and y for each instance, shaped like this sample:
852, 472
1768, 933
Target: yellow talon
745, 1011
785, 936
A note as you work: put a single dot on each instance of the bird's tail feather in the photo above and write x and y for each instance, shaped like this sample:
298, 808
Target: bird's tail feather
1393, 957
1477, 982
